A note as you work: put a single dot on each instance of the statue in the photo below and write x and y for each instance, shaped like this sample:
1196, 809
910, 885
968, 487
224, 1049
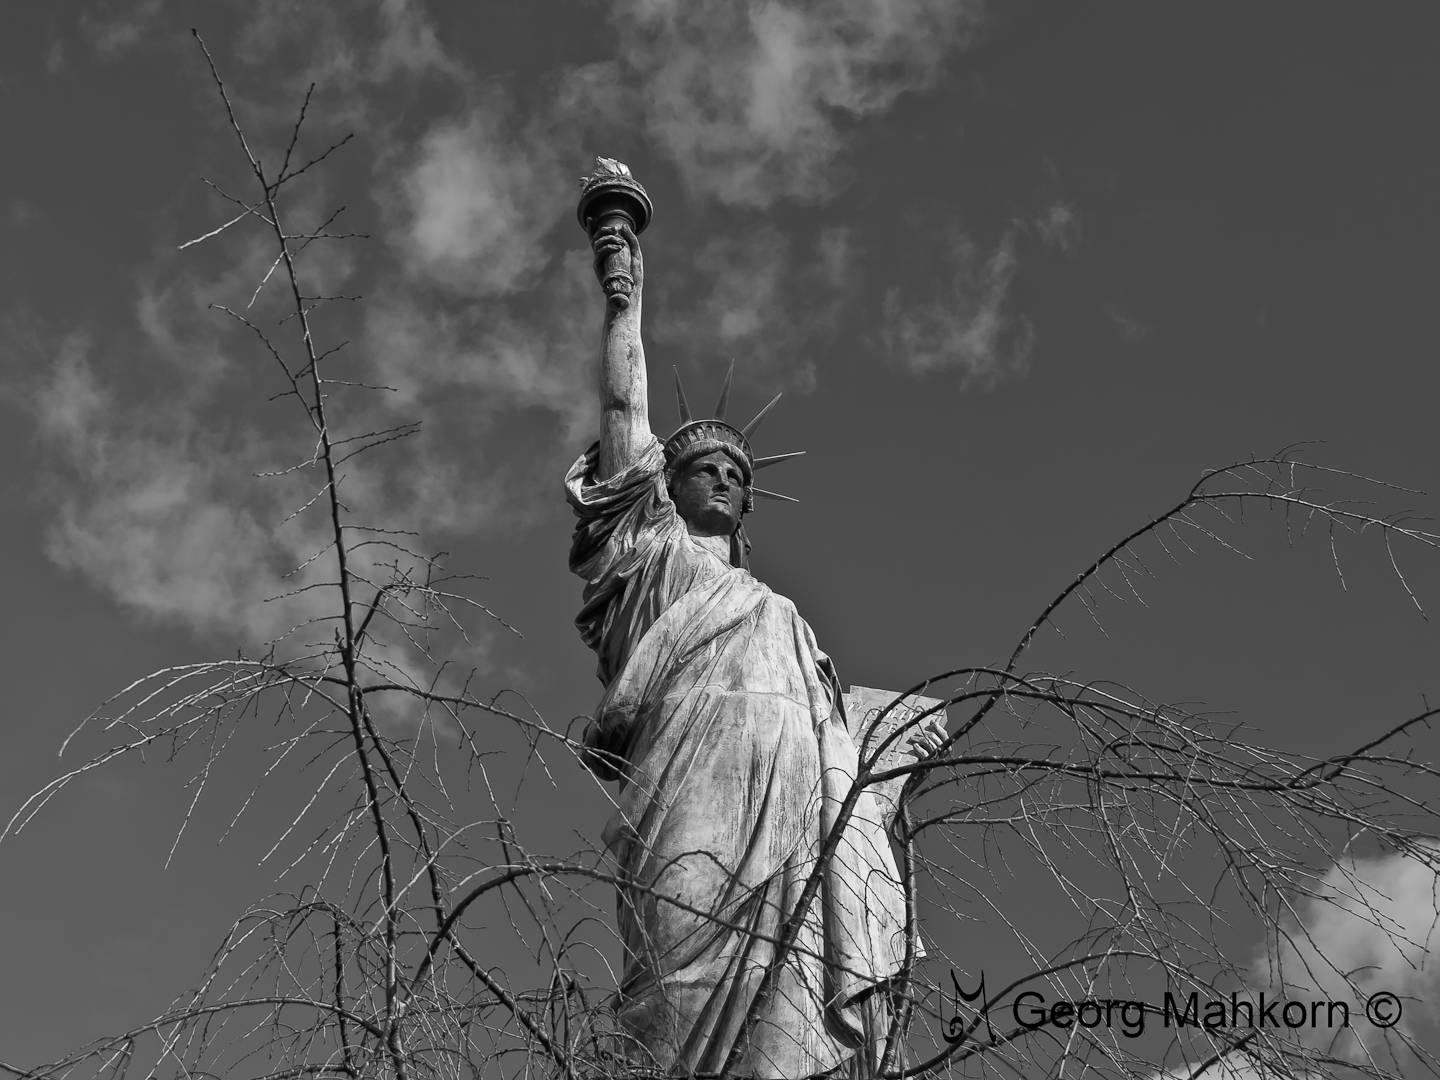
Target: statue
726, 728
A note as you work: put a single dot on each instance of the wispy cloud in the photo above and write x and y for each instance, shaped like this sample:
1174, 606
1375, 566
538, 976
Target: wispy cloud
751, 98
151, 507
113, 28
761, 296
969, 327
55, 59
1130, 329
527, 352
482, 308
372, 41
478, 202
189, 512
151, 441
1059, 227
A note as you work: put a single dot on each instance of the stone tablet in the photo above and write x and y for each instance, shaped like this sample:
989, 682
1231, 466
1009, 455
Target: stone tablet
863, 708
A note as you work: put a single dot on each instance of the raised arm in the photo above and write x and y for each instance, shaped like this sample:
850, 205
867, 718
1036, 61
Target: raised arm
624, 406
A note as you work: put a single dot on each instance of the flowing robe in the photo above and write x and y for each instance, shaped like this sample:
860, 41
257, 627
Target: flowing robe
723, 721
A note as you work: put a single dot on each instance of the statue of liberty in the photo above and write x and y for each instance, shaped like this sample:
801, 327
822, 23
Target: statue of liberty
725, 725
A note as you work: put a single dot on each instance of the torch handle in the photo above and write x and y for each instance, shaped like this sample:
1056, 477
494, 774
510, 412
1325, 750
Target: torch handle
618, 282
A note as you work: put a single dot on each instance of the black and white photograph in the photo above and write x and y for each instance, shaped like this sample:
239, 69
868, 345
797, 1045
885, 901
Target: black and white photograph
720, 539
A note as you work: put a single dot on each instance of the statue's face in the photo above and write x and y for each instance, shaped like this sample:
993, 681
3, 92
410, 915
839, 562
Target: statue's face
709, 495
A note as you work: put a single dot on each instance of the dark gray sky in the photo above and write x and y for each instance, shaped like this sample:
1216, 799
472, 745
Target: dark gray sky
1023, 271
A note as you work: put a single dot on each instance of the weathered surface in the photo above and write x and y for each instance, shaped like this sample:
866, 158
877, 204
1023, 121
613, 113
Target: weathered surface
720, 718
726, 727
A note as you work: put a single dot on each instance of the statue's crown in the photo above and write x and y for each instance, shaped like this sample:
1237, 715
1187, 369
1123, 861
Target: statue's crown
696, 438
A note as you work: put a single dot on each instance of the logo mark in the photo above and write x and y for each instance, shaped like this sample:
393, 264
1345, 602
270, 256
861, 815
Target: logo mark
957, 1029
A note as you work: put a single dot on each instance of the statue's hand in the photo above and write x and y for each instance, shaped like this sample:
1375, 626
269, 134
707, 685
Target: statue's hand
616, 245
929, 735
925, 740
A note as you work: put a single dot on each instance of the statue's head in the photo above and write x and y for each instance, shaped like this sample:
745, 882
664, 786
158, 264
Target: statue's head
711, 491
710, 471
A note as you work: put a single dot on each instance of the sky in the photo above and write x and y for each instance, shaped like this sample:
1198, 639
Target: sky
1022, 272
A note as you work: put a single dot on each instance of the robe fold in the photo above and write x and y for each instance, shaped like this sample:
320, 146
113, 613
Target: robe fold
723, 722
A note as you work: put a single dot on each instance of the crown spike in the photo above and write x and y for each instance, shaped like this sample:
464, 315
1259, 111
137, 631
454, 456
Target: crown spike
724, 401
754, 425
775, 459
761, 493
680, 399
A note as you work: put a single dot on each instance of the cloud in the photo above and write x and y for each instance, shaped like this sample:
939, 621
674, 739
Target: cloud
482, 308
159, 506
349, 48
1059, 226
55, 58
758, 295
1371, 925
150, 466
149, 507
751, 98
477, 204
498, 354
969, 328
835, 255
152, 444
1130, 329
740, 277
114, 28
408, 41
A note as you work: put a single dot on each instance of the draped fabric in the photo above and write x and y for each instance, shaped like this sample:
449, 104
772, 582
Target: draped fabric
721, 718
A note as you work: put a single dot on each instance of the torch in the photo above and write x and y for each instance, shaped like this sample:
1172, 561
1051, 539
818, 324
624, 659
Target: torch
610, 195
